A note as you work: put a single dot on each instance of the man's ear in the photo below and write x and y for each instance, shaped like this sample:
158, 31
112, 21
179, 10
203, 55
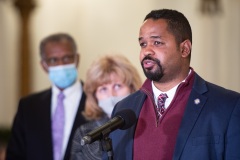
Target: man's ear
186, 47
44, 66
77, 59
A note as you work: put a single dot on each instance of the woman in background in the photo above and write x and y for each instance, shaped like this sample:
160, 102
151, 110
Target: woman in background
109, 79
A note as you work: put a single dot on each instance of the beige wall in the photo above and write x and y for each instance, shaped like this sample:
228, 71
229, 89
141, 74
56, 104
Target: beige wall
105, 26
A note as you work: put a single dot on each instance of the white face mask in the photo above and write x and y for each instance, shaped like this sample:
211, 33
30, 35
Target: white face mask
108, 104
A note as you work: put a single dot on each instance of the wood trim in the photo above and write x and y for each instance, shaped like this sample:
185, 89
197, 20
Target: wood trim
25, 8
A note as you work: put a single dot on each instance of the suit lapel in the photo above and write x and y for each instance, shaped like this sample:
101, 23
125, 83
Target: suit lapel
195, 104
44, 111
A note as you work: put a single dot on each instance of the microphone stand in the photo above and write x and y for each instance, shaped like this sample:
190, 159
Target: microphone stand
107, 144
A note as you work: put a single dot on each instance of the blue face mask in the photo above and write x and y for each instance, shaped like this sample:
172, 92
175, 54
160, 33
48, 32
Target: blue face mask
63, 76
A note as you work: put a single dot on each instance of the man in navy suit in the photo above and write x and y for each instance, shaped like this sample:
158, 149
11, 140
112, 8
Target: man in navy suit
179, 115
33, 135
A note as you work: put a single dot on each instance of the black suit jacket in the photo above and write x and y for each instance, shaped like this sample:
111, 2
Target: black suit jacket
31, 137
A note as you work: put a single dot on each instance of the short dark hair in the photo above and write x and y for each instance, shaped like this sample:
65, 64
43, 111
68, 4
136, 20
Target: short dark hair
178, 24
58, 37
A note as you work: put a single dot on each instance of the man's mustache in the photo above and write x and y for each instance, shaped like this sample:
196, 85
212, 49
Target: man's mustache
150, 58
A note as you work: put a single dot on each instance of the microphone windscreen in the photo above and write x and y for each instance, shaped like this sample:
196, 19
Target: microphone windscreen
128, 116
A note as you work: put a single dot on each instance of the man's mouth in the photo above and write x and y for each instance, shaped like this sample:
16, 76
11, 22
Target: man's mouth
148, 64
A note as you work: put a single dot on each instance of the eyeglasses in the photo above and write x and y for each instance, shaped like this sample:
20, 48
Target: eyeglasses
64, 60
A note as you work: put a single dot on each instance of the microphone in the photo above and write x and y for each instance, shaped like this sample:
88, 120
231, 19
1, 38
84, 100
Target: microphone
123, 119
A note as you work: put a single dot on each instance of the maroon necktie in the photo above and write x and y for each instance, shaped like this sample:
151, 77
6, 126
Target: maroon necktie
161, 104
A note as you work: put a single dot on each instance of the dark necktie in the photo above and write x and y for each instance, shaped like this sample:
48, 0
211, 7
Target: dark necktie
161, 104
58, 127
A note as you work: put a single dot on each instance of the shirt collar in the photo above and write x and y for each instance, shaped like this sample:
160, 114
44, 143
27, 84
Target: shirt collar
170, 93
68, 90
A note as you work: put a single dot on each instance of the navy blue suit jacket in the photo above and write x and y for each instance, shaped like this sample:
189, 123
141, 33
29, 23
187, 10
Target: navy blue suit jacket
31, 132
210, 129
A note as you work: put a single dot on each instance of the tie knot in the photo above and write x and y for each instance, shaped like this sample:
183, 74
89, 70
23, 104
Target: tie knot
61, 96
163, 97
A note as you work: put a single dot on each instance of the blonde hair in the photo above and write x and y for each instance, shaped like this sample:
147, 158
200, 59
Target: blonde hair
99, 74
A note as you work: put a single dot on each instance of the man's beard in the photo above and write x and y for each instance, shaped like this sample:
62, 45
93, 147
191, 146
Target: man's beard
155, 75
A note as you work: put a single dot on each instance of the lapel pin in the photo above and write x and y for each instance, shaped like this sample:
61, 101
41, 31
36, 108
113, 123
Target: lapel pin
197, 101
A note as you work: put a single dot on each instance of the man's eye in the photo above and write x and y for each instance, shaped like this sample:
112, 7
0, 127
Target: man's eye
142, 44
157, 43
52, 60
68, 59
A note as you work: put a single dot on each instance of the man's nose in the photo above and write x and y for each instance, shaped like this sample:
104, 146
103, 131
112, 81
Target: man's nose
148, 50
